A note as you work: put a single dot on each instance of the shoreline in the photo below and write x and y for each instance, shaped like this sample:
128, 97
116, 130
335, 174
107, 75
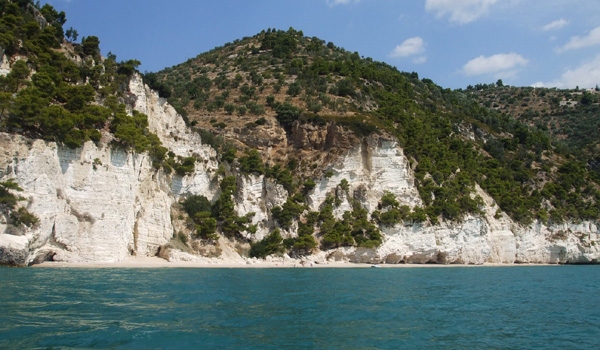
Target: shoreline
156, 262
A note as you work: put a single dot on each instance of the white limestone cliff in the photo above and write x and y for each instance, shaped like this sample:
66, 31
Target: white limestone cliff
103, 204
372, 168
94, 203
99, 203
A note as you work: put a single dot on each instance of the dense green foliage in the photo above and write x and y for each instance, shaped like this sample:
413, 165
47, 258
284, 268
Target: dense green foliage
272, 244
199, 210
290, 211
252, 163
287, 114
567, 115
283, 177
220, 216
390, 212
354, 229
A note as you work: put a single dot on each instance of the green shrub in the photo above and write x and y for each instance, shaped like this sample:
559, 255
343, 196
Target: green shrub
185, 167
282, 176
344, 185
255, 108
309, 185
294, 89
7, 199
304, 245
287, 213
252, 163
229, 108
388, 200
206, 226
272, 244
194, 204
287, 114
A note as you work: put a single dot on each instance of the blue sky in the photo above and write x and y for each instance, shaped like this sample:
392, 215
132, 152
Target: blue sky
453, 42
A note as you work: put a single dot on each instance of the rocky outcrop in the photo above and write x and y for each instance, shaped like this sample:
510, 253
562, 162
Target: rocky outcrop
94, 203
373, 167
4, 63
102, 204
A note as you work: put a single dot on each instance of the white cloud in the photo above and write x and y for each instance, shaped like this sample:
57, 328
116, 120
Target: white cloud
559, 23
578, 42
587, 75
501, 65
332, 3
409, 47
459, 11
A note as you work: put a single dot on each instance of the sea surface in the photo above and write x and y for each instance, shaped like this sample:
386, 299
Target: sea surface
541, 307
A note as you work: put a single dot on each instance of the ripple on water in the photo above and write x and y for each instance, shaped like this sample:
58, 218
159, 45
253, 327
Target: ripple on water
455, 308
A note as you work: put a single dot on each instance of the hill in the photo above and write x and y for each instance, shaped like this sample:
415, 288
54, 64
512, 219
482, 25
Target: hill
455, 139
283, 145
570, 116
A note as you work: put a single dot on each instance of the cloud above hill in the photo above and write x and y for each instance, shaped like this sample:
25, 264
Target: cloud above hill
578, 42
459, 11
410, 47
499, 65
586, 75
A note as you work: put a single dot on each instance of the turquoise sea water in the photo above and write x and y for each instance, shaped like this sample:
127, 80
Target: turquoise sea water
550, 307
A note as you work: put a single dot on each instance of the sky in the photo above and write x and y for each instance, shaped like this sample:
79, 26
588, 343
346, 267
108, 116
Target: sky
455, 43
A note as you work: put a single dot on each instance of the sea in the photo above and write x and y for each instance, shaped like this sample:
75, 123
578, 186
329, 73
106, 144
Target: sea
513, 307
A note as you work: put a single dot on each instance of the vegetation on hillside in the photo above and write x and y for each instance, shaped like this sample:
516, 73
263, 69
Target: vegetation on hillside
453, 141
570, 116
54, 92
221, 215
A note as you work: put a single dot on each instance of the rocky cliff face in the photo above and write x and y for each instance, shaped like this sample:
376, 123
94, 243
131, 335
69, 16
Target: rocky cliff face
100, 203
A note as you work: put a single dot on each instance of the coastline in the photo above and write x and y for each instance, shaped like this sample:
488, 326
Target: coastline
156, 262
